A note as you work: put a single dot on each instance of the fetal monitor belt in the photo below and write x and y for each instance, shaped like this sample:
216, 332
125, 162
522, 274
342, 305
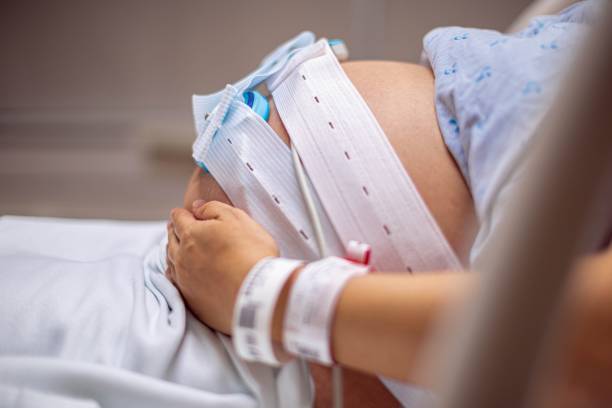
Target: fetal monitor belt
254, 168
362, 190
210, 111
359, 179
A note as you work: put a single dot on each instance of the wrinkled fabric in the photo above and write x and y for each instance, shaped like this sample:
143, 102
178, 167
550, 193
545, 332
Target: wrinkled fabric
492, 91
88, 317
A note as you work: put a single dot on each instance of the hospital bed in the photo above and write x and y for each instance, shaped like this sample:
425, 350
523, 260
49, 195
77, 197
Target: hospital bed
170, 358
495, 313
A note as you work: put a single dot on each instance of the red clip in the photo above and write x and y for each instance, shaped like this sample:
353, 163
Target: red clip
358, 252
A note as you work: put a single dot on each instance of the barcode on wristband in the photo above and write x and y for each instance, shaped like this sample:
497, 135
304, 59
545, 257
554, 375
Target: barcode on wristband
251, 339
247, 315
253, 345
308, 318
254, 309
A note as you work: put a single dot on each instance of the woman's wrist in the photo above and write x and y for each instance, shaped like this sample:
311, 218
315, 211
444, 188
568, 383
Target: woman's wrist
305, 308
254, 308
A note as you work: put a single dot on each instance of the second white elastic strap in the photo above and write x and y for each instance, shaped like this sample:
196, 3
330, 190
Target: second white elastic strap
254, 310
310, 310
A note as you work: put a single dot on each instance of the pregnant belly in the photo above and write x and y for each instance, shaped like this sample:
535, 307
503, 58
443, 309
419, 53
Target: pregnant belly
401, 96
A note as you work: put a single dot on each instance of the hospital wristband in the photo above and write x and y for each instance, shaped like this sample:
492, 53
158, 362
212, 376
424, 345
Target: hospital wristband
311, 305
254, 309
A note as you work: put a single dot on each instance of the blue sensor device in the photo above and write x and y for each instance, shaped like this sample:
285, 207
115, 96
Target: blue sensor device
202, 166
339, 48
258, 103
260, 106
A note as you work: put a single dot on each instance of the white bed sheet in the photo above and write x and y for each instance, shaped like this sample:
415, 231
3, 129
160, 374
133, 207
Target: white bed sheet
86, 315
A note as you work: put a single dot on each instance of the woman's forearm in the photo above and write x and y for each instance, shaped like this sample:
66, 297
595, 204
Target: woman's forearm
391, 315
382, 319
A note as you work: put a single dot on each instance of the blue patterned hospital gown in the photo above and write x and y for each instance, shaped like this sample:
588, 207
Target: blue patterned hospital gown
492, 90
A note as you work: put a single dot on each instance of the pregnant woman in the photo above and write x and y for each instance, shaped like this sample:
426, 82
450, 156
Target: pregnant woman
88, 313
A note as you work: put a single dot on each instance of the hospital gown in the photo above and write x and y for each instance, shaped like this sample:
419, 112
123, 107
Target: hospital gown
492, 91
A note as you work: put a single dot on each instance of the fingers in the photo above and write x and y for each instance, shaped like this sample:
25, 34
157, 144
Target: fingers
173, 245
181, 219
186, 232
211, 210
172, 241
183, 235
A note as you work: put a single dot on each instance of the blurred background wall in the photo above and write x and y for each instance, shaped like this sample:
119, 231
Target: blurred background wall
95, 96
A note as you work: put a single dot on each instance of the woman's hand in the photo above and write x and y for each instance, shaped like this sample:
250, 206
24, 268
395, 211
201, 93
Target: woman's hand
209, 254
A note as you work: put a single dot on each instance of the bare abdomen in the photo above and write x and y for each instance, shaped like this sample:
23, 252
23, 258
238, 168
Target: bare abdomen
401, 96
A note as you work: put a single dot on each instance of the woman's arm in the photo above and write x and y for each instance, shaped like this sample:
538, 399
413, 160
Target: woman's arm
391, 315
382, 320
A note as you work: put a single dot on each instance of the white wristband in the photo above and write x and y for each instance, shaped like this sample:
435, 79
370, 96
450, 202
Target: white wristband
254, 309
310, 310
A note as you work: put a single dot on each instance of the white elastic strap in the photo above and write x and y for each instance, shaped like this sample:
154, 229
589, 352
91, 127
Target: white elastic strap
254, 168
357, 175
216, 117
210, 110
310, 310
254, 309
309, 203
